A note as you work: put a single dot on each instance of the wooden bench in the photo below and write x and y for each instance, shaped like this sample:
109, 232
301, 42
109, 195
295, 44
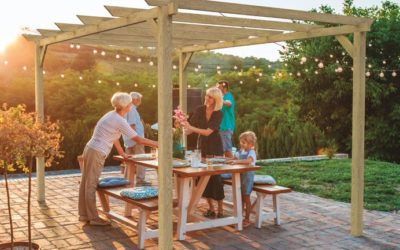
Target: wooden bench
145, 207
262, 191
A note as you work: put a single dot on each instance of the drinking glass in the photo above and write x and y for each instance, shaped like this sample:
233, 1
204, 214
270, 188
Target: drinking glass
209, 159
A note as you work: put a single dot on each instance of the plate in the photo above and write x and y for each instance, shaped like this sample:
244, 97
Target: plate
180, 164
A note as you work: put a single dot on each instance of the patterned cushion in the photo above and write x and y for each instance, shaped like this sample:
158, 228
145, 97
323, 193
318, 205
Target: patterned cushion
139, 193
112, 182
264, 179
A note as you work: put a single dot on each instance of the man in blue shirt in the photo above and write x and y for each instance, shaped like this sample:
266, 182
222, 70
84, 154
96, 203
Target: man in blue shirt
131, 147
228, 120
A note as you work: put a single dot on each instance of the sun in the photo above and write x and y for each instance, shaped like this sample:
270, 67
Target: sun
7, 37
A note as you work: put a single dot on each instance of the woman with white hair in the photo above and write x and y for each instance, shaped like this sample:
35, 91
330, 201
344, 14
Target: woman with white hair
205, 121
107, 132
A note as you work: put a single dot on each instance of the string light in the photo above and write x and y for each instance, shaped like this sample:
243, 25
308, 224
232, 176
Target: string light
258, 80
320, 65
44, 72
62, 76
99, 81
368, 73
260, 74
199, 66
303, 59
151, 63
135, 84
381, 75
394, 74
24, 68
153, 86
117, 56
95, 51
117, 83
235, 67
196, 70
241, 82
103, 53
6, 62
71, 46
81, 78
174, 67
78, 46
139, 60
127, 58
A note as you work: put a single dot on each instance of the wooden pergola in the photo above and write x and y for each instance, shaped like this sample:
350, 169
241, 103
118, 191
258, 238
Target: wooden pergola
170, 28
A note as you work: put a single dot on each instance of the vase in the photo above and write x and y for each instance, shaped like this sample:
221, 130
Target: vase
19, 245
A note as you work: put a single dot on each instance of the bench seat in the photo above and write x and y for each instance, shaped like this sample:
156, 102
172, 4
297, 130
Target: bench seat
262, 191
145, 207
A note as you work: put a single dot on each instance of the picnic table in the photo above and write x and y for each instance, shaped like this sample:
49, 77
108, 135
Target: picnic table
191, 183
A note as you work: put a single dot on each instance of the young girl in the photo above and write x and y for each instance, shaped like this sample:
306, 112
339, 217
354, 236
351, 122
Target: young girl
247, 156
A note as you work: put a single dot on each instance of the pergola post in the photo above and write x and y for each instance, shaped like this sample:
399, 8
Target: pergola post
184, 59
39, 108
357, 180
164, 40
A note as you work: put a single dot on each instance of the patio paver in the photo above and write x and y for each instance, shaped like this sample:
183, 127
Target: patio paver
308, 222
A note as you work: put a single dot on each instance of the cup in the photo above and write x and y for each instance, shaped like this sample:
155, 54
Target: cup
195, 158
209, 160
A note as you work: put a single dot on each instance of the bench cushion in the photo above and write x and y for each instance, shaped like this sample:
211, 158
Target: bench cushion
264, 179
139, 193
112, 182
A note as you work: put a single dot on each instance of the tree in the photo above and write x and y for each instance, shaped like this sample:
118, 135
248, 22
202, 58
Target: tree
324, 83
23, 139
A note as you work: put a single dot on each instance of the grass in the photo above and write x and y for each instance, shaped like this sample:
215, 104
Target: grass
332, 179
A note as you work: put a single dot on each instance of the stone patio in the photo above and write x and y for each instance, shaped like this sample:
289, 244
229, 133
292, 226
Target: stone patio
308, 222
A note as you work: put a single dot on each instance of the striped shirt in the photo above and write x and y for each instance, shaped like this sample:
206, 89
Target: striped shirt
109, 129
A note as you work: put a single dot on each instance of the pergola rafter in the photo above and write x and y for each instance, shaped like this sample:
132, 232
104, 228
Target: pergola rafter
169, 27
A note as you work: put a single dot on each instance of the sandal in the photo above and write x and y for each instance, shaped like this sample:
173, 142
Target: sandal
209, 213
246, 223
220, 215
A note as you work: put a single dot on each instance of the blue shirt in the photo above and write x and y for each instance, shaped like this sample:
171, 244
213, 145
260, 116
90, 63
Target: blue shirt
228, 118
133, 118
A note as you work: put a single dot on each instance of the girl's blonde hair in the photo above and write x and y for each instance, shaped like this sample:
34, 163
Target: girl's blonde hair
215, 93
249, 137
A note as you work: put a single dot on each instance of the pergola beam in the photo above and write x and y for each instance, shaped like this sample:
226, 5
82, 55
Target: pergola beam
107, 25
180, 29
221, 20
242, 9
346, 44
332, 31
358, 128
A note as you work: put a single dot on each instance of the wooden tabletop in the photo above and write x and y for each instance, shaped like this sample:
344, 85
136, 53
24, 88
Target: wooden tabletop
214, 169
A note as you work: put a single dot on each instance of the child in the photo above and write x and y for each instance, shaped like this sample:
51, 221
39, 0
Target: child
247, 156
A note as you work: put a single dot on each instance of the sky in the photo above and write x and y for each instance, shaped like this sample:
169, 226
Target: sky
44, 13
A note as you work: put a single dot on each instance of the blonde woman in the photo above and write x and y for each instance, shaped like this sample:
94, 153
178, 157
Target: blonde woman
107, 133
206, 121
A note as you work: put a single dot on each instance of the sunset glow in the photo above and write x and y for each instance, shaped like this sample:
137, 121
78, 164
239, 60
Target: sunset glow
6, 39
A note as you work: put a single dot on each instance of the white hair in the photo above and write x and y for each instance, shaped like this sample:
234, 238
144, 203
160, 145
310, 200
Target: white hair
135, 95
120, 100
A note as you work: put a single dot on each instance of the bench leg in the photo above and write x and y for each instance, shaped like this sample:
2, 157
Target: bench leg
276, 209
104, 201
259, 209
141, 227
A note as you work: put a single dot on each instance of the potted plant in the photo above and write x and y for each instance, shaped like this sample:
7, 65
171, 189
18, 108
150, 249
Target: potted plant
22, 139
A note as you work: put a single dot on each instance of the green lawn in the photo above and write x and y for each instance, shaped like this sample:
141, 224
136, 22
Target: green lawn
332, 179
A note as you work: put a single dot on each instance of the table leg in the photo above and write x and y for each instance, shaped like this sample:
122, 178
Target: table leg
237, 200
197, 192
183, 193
